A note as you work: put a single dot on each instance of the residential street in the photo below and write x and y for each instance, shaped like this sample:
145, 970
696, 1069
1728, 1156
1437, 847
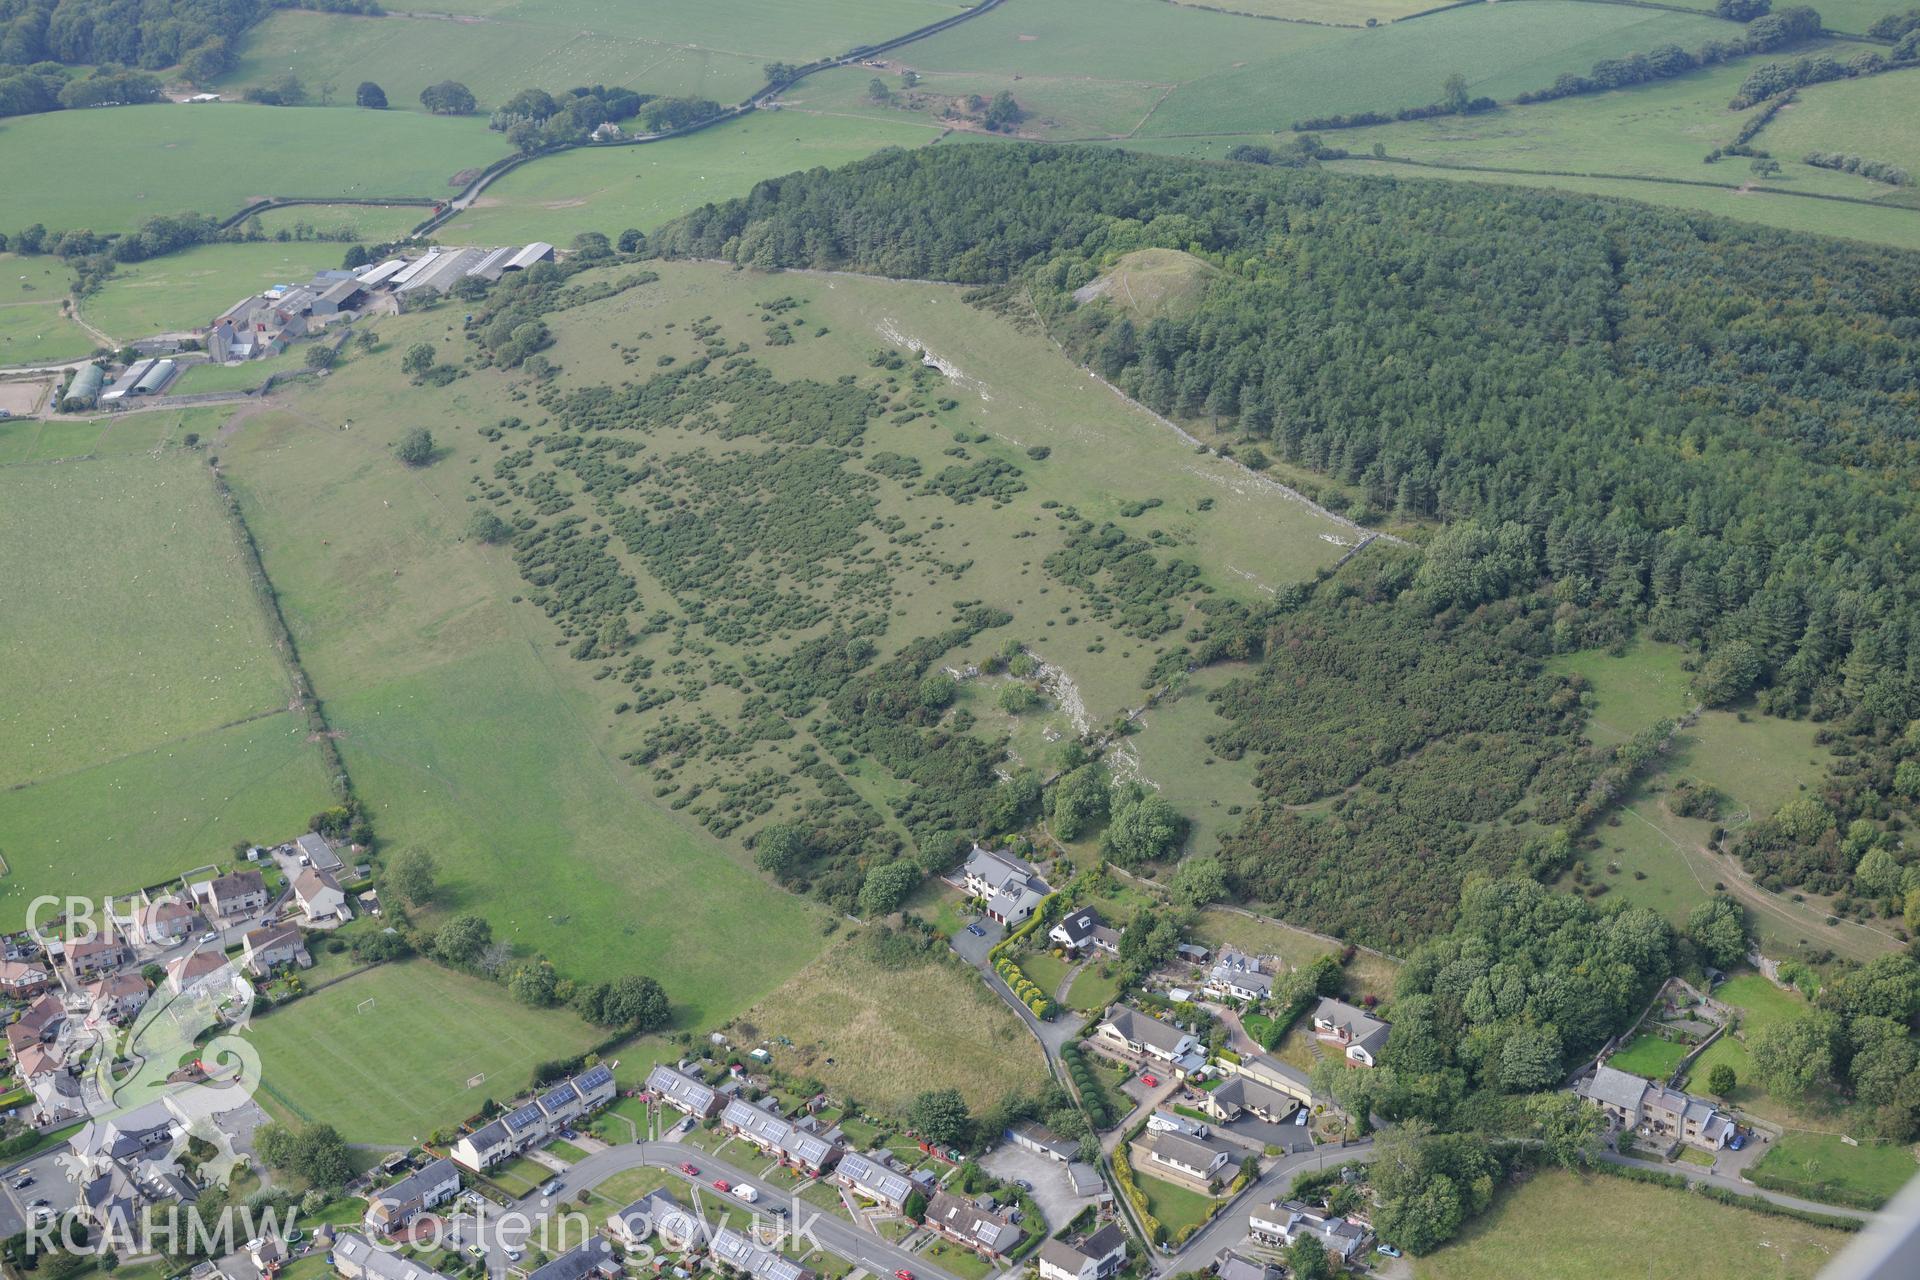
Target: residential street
1230, 1228
834, 1234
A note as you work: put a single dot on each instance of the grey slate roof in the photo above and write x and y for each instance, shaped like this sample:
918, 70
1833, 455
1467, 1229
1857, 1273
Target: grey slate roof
1611, 1085
1139, 1028
1365, 1030
380, 1263
596, 1254
680, 1089
737, 1251
969, 1221
879, 1181
1194, 1153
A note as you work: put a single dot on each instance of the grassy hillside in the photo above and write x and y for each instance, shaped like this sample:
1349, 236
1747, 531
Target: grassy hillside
213, 159
609, 189
1873, 118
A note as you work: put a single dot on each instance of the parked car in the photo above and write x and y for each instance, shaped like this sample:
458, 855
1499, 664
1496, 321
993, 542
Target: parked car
976, 931
903, 1274
1150, 1080
1300, 1116
41, 1203
22, 1182
476, 1251
1023, 1184
513, 1255
692, 1171
211, 935
777, 1210
551, 1188
1389, 1250
1737, 1141
721, 1184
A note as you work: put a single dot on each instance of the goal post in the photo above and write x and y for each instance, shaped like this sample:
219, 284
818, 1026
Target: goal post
365, 1006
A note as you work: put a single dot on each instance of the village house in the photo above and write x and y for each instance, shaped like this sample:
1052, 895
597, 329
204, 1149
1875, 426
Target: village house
117, 997
657, 1214
965, 1222
1240, 1095
320, 897
795, 1144
1641, 1106
23, 979
196, 967
358, 1258
732, 1249
873, 1180
98, 954
534, 1122
391, 1209
683, 1092
38, 1025
1238, 977
1144, 1036
1165, 1121
237, 893
1082, 932
1193, 1162
1265, 1069
1283, 1222
271, 947
1230, 1265
127, 1135
1011, 887
595, 1257
1099, 1256
1356, 1031
165, 921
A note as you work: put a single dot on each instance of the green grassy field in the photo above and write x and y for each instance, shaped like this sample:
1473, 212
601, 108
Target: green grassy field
147, 817
1761, 1004
143, 691
1603, 1227
1850, 16
187, 290
1820, 1166
142, 628
50, 440
198, 379
1339, 13
40, 333
394, 1071
212, 159
609, 189
1502, 50
1649, 1056
369, 223
712, 50
1872, 118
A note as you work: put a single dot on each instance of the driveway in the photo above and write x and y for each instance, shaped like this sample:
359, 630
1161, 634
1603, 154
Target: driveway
1052, 1189
1230, 1228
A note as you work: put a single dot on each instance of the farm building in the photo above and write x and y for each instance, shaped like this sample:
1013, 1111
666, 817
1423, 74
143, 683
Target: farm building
84, 390
142, 378
538, 251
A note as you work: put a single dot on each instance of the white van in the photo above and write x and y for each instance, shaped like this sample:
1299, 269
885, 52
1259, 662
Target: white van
745, 1192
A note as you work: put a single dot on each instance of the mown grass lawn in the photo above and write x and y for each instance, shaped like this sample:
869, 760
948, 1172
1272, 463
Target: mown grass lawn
1597, 1228
1176, 1207
1819, 1166
1649, 1056
395, 1071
